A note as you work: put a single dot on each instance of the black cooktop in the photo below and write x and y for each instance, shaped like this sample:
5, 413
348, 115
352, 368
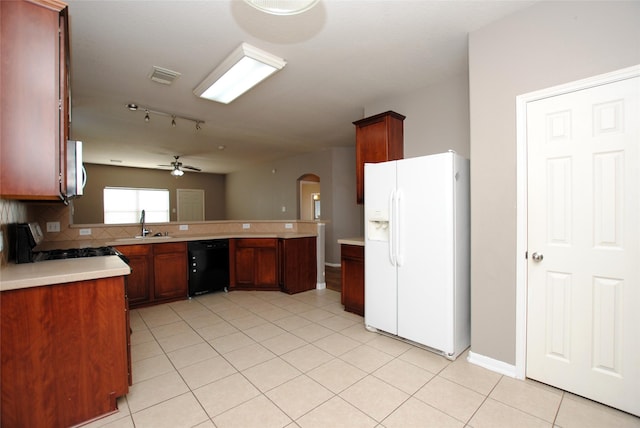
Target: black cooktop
74, 253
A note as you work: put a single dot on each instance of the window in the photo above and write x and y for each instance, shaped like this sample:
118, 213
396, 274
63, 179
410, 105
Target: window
124, 205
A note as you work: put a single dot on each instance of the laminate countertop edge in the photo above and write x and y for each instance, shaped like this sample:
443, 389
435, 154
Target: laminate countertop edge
115, 242
25, 275
359, 241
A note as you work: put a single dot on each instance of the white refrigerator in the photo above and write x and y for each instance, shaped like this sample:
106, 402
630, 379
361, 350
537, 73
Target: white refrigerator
417, 250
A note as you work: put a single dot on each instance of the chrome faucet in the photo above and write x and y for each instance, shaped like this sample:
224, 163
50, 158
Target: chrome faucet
144, 231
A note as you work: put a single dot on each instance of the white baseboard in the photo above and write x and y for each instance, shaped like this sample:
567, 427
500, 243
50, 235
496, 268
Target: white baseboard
321, 285
492, 364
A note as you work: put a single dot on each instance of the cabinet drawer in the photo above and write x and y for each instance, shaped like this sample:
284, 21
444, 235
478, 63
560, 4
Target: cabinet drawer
134, 250
256, 242
352, 251
169, 247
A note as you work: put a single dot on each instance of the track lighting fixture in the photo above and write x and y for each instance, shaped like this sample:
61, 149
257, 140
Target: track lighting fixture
148, 111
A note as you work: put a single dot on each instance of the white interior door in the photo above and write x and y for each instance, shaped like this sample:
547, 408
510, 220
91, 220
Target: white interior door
583, 302
190, 204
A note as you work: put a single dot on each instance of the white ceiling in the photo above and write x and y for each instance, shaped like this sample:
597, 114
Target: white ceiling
341, 55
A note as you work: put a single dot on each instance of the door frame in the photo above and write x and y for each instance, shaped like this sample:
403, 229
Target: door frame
182, 192
521, 194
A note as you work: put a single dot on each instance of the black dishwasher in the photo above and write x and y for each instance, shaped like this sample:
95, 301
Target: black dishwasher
208, 266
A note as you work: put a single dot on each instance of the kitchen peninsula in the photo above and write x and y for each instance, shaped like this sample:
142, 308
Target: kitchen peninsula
65, 341
65, 334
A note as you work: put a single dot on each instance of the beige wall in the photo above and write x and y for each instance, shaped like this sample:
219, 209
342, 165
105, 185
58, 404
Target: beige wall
437, 117
547, 44
89, 208
261, 192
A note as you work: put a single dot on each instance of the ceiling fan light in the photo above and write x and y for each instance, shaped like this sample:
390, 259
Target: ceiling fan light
242, 70
177, 172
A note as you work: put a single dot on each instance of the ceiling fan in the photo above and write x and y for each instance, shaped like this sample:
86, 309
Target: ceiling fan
178, 167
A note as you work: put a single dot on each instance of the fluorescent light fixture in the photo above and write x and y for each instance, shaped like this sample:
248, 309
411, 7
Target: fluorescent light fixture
242, 70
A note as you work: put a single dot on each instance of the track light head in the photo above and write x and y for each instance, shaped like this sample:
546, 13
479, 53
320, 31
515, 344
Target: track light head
149, 110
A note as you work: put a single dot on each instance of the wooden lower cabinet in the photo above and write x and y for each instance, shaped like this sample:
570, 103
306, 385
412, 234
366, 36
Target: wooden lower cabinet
298, 268
352, 266
158, 273
64, 352
253, 263
138, 282
170, 274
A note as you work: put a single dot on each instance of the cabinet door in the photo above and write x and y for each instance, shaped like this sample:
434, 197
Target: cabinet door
139, 281
298, 268
379, 138
244, 266
170, 271
32, 114
266, 262
254, 263
353, 278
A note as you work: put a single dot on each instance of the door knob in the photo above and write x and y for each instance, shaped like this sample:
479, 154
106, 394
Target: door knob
537, 257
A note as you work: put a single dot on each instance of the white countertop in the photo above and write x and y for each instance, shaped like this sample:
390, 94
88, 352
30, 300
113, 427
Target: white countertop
16, 276
359, 241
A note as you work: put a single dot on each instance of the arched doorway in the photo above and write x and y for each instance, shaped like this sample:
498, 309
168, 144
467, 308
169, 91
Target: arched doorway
308, 196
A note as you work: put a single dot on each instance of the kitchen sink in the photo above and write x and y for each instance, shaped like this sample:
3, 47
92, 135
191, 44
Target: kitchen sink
145, 238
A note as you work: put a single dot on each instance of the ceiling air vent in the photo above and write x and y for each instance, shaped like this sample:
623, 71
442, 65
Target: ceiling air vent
163, 75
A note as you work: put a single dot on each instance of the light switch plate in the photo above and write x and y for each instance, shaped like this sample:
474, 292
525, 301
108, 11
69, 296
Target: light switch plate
85, 232
53, 226
246, 225
184, 227
288, 226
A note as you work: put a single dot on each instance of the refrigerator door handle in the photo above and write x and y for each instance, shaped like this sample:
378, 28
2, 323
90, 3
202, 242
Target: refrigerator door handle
392, 255
399, 256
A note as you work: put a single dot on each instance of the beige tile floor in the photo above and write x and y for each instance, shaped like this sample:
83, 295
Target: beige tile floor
268, 359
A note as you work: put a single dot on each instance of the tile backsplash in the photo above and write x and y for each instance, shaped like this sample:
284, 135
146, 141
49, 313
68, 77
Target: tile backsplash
43, 212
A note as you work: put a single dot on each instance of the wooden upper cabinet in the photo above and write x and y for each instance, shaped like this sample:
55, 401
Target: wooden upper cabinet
35, 102
379, 138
